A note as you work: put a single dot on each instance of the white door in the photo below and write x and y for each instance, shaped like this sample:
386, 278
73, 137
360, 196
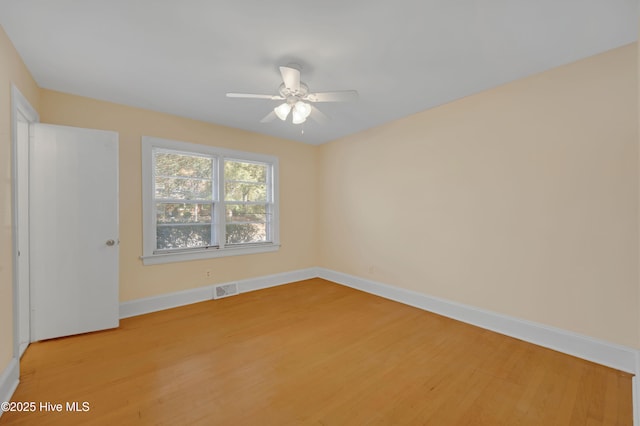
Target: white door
73, 230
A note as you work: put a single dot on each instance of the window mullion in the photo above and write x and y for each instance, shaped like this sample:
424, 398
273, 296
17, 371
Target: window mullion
221, 210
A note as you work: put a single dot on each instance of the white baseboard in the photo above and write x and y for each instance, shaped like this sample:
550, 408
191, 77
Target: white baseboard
9, 380
173, 300
585, 347
259, 283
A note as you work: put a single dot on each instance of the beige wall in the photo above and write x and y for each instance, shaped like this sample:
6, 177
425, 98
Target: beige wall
298, 201
522, 199
12, 70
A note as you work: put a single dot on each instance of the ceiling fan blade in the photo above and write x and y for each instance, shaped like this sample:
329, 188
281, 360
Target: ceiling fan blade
254, 96
340, 96
269, 117
318, 115
291, 78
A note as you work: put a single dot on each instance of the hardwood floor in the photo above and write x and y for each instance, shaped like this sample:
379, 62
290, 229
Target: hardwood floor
316, 353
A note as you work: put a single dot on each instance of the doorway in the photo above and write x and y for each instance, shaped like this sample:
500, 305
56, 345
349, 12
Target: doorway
65, 228
23, 115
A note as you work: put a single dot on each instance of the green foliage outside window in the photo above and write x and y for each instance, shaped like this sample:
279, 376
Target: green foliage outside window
184, 193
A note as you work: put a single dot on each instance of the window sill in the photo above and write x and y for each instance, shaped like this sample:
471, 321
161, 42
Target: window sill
156, 259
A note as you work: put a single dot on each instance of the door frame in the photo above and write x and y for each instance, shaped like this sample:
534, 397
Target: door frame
19, 107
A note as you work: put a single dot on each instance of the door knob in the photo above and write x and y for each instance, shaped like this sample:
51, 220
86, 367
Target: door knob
110, 242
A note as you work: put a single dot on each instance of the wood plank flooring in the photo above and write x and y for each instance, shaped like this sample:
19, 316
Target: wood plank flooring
312, 353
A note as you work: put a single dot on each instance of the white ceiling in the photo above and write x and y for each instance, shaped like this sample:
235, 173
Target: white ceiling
402, 56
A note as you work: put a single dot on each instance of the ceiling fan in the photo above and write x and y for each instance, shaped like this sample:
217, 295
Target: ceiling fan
297, 99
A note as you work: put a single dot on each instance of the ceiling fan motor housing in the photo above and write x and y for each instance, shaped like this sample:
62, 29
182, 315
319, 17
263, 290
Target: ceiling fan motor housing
293, 96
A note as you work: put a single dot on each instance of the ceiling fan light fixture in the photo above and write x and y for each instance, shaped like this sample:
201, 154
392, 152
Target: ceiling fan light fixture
302, 108
301, 111
282, 111
298, 118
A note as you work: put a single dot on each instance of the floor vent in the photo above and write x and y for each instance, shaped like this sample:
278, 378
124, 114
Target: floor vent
225, 290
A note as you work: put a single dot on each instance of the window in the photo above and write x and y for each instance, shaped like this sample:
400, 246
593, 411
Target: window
201, 202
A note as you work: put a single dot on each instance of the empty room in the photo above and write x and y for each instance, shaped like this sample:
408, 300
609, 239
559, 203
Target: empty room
336, 213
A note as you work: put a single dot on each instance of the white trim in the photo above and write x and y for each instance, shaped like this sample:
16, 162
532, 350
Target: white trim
156, 259
23, 347
252, 284
585, 347
172, 300
9, 380
18, 100
19, 104
164, 301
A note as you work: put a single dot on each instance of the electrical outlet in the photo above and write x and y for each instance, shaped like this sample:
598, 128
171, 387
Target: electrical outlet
207, 273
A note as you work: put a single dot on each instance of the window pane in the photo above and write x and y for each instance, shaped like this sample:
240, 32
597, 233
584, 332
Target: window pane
182, 236
183, 213
245, 181
199, 197
242, 191
183, 188
246, 213
245, 172
246, 233
170, 164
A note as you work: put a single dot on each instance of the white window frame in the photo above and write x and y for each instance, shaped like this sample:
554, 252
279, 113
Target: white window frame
149, 257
